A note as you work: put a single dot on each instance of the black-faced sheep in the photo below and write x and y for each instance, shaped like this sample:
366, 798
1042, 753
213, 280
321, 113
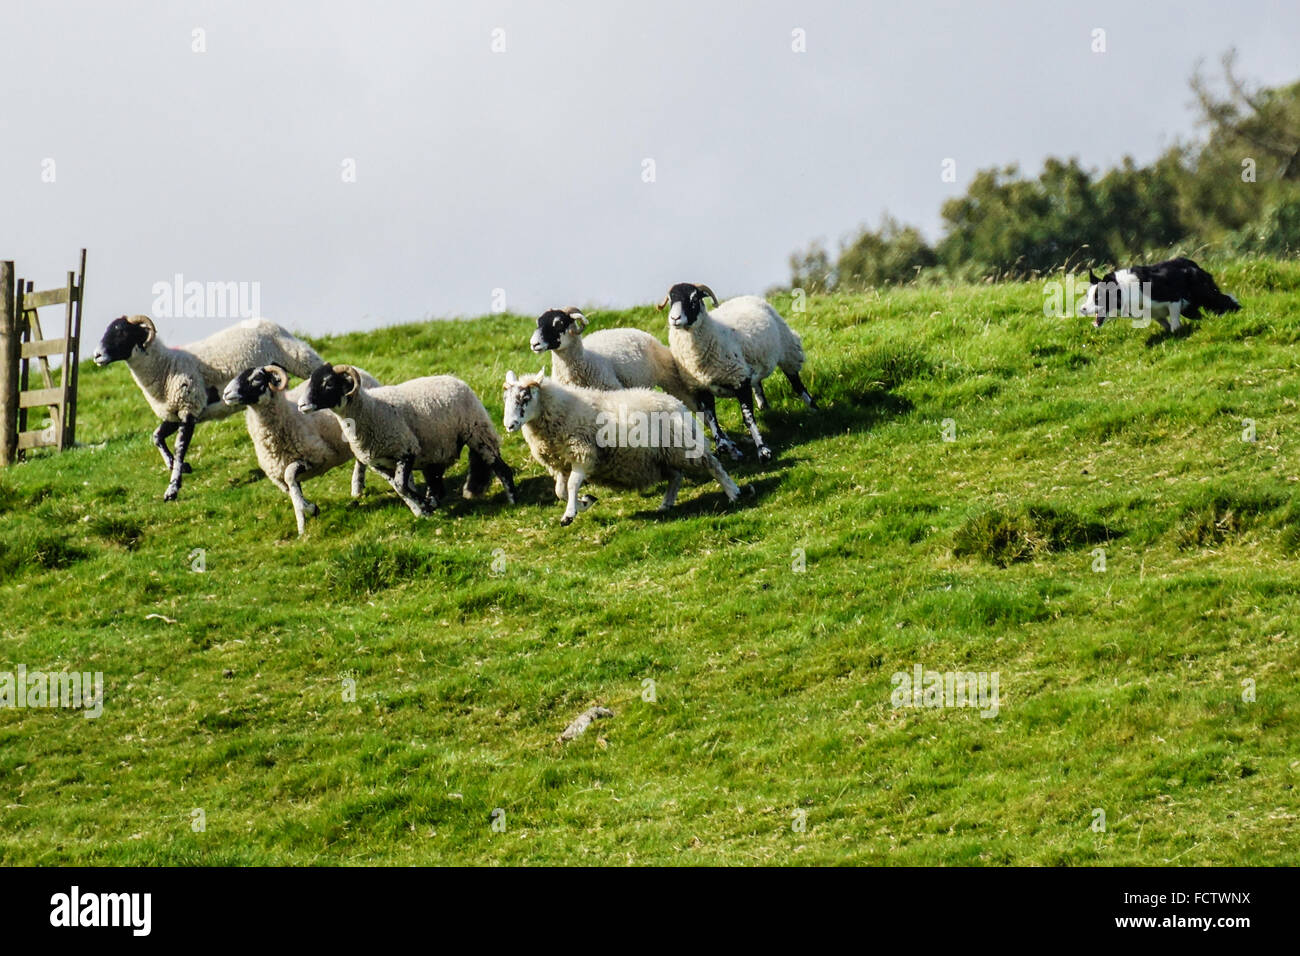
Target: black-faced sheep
423, 423
183, 385
291, 445
607, 359
729, 351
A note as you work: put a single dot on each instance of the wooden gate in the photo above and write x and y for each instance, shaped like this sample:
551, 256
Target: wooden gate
22, 328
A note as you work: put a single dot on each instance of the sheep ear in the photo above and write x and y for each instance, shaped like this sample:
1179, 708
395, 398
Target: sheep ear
278, 377
511, 378
1092, 277
146, 323
579, 320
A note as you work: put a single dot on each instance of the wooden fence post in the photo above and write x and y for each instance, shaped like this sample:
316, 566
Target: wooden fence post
8, 366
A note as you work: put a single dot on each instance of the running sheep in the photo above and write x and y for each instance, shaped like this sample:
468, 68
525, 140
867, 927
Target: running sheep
423, 423
630, 438
608, 359
183, 385
292, 445
729, 351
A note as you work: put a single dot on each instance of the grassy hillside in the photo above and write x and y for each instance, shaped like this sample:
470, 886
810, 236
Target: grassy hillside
1121, 689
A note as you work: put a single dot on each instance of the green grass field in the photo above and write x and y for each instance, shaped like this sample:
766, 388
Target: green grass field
475, 636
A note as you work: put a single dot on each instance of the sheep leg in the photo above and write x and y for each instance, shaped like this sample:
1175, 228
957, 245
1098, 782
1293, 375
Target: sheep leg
708, 409
164, 430
184, 433
506, 476
719, 473
480, 474
401, 482
670, 496
797, 384
561, 485
437, 488
759, 398
358, 479
576, 477
746, 396
301, 506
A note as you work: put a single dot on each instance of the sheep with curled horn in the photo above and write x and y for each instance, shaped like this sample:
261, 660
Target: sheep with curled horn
420, 424
292, 445
606, 359
183, 385
729, 350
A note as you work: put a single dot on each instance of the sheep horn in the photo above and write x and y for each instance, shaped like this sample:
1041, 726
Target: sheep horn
579, 320
661, 305
353, 376
279, 377
145, 323
707, 291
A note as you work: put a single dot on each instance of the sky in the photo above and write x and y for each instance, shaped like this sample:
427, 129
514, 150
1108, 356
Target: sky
354, 165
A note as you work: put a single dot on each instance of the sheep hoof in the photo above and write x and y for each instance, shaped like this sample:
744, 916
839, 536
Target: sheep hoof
311, 509
185, 468
171, 493
765, 454
566, 521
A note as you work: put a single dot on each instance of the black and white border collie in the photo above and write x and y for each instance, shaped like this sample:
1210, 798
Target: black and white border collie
1176, 288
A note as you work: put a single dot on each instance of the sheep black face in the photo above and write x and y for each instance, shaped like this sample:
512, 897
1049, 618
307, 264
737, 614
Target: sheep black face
687, 303
329, 387
521, 401
122, 337
556, 329
254, 384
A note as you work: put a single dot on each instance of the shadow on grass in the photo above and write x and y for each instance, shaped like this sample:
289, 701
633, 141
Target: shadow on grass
703, 499
1162, 333
786, 427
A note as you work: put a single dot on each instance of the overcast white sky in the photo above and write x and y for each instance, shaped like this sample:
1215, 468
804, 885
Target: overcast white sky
522, 170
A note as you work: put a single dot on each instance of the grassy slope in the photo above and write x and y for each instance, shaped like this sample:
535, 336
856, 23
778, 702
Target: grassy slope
1120, 690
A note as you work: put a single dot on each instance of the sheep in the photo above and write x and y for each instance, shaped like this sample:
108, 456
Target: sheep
423, 423
183, 385
729, 351
291, 445
626, 438
608, 359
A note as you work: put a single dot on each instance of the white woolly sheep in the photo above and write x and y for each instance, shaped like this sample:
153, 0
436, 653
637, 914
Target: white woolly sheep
729, 351
608, 359
292, 445
629, 438
423, 423
183, 385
